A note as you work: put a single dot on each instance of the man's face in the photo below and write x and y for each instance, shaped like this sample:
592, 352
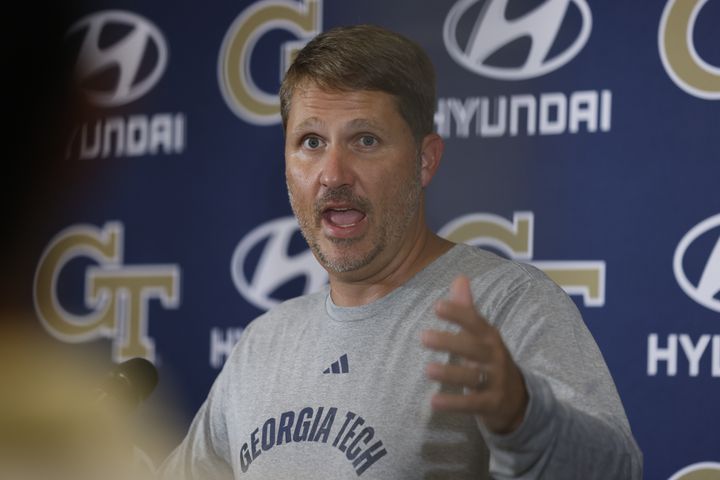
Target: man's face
353, 176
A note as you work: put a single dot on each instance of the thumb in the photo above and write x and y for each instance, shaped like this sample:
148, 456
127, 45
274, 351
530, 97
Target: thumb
460, 291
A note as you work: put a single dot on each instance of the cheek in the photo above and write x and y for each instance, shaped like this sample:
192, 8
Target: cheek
296, 169
400, 178
298, 184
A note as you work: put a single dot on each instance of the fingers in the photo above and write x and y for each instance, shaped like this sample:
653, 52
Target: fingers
459, 308
467, 376
464, 316
460, 291
493, 384
479, 398
459, 403
500, 399
462, 344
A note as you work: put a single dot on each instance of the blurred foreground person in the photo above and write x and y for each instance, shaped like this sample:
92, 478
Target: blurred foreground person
423, 359
55, 423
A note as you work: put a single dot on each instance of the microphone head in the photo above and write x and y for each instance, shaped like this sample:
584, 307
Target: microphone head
130, 382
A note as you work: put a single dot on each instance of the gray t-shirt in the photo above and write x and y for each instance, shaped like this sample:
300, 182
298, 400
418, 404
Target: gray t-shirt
318, 391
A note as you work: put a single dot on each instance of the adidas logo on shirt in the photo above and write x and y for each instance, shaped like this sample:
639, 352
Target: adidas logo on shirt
339, 366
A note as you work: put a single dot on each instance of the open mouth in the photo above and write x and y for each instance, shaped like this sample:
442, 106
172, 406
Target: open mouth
343, 217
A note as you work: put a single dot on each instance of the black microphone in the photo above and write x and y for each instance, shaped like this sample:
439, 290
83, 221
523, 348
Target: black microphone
128, 384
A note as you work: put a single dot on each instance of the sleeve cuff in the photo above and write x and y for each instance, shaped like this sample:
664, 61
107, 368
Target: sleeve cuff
519, 450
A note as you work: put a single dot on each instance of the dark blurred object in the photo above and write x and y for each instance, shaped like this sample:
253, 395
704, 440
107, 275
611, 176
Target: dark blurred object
129, 384
41, 110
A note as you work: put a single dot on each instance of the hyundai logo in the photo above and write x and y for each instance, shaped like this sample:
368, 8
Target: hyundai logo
274, 267
705, 289
122, 56
492, 31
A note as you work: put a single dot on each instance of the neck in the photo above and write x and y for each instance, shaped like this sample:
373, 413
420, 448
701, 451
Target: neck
354, 290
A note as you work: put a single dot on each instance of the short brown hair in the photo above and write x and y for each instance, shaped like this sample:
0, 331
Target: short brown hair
367, 57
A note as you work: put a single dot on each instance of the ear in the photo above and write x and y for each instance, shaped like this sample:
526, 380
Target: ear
431, 150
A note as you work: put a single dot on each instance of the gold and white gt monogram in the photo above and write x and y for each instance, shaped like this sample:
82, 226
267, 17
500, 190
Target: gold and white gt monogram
577, 277
117, 295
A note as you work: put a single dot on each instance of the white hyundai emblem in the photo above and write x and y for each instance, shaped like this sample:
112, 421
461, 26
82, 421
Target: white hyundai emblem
274, 266
706, 289
492, 31
124, 49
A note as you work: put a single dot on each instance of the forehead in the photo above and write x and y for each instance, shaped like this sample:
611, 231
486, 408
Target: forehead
312, 104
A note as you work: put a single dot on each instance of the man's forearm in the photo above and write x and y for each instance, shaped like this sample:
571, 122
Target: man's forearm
558, 441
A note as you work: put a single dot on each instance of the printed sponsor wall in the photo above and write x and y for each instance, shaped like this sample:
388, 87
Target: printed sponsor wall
581, 137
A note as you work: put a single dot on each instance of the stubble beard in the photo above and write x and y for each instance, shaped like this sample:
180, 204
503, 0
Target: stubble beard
390, 230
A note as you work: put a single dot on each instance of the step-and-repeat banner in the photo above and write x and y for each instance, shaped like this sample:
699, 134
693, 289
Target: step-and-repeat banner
582, 136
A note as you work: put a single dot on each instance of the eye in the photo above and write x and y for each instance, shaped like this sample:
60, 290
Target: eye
312, 143
368, 141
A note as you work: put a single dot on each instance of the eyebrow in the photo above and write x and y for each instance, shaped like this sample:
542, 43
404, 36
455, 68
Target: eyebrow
357, 123
308, 123
362, 123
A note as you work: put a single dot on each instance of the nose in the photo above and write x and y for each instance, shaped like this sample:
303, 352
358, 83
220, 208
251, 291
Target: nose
336, 170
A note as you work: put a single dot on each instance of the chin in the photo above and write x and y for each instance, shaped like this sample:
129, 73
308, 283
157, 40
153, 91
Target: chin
344, 260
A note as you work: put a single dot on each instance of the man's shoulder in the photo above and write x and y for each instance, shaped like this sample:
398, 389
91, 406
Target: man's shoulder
478, 262
487, 271
498, 281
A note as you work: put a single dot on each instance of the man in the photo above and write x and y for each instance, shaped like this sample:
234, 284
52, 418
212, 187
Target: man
423, 359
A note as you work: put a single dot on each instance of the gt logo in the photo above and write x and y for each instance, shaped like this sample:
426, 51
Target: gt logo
585, 278
678, 53
117, 295
242, 95
698, 471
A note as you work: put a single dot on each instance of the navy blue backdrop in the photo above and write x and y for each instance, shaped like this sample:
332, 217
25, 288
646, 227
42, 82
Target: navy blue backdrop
581, 136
